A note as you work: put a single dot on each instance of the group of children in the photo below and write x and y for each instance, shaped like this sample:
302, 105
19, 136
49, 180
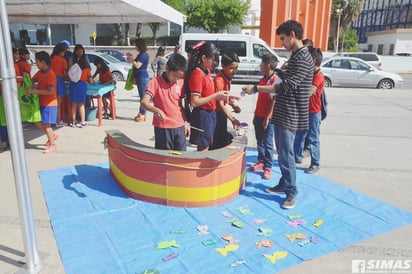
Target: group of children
206, 98
49, 84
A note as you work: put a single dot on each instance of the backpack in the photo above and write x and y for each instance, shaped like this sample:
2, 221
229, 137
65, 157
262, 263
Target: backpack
324, 100
75, 73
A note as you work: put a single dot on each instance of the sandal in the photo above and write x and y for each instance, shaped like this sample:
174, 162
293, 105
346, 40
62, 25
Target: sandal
140, 118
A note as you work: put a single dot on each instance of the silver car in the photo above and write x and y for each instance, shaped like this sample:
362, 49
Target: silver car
354, 72
119, 69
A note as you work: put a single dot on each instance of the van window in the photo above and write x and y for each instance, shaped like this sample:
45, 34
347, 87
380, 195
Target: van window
260, 50
232, 46
235, 46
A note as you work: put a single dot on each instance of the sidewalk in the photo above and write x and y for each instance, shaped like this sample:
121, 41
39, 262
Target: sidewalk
364, 145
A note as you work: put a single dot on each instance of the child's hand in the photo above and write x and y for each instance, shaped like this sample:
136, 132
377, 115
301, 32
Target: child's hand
248, 89
159, 114
221, 95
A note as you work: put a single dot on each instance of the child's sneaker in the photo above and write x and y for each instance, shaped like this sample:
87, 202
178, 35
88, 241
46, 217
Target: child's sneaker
81, 125
60, 124
49, 149
257, 166
267, 174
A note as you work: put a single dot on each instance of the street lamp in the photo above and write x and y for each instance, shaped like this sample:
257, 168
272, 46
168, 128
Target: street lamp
339, 13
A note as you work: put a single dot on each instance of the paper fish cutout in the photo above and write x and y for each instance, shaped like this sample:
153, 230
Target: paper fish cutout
318, 223
264, 231
264, 243
294, 217
176, 231
166, 244
295, 223
228, 248
295, 236
244, 211
209, 242
237, 263
229, 238
226, 214
304, 242
314, 239
170, 257
238, 224
259, 221
276, 256
203, 229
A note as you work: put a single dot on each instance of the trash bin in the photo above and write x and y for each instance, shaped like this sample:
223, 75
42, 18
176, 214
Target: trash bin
91, 114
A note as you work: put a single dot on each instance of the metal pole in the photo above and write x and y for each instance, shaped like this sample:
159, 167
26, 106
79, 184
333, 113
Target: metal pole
12, 109
339, 12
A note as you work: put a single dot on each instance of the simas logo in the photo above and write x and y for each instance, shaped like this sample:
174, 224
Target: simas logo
382, 266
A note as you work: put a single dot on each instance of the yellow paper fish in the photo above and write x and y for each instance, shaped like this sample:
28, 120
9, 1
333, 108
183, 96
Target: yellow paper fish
318, 223
166, 244
276, 256
228, 248
294, 236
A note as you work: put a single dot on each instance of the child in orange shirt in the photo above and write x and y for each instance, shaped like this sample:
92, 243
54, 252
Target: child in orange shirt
59, 66
46, 89
105, 77
23, 62
223, 81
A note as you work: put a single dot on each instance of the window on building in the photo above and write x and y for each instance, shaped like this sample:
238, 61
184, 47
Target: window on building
391, 49
380, 49
370, 47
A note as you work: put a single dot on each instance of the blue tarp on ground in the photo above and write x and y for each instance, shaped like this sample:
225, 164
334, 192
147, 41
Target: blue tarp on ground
99, 229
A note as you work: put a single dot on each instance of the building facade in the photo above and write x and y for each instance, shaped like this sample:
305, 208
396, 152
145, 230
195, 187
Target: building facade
385, 26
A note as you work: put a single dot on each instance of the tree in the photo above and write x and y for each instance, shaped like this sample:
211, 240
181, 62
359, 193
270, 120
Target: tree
154, 27
350, 11
178, 5
215, 15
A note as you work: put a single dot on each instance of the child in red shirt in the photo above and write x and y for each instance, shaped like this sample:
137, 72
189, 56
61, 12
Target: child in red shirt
46, 89
203, 96
264, 129
167, 93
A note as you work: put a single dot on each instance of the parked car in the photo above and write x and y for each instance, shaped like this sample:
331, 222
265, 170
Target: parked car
115, 53
354, 72
118, 68
369, 57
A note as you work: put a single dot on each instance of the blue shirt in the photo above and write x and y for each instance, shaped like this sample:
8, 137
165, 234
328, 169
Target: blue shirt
142, 71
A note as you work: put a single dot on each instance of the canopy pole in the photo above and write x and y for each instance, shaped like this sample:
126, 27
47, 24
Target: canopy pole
12, 110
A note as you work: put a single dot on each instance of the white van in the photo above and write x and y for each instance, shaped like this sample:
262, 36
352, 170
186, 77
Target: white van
250, 50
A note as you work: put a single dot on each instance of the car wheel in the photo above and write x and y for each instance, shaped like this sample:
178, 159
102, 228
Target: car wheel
328, 82
385, 84
117, 76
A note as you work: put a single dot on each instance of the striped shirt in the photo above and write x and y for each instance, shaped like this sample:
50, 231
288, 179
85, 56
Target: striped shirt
292, 101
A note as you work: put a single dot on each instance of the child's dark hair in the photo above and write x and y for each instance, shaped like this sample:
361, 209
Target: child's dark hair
43, 56
289, 26
308, 43
176, 62
229, 57
270, 59
103, 66
161, 51
81, 60
140, 44
317, 56
206, 49
58, 49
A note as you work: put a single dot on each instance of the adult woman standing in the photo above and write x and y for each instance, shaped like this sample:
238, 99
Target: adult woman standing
140, 73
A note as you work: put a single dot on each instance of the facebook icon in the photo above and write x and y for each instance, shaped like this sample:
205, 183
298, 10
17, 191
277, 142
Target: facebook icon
358, 266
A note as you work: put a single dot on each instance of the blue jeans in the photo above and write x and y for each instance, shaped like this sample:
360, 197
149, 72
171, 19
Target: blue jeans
141, 88
284, 139
314, 138
264, 139
314, 143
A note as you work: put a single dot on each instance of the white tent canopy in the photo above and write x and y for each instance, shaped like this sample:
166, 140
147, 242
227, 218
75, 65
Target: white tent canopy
91, 11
